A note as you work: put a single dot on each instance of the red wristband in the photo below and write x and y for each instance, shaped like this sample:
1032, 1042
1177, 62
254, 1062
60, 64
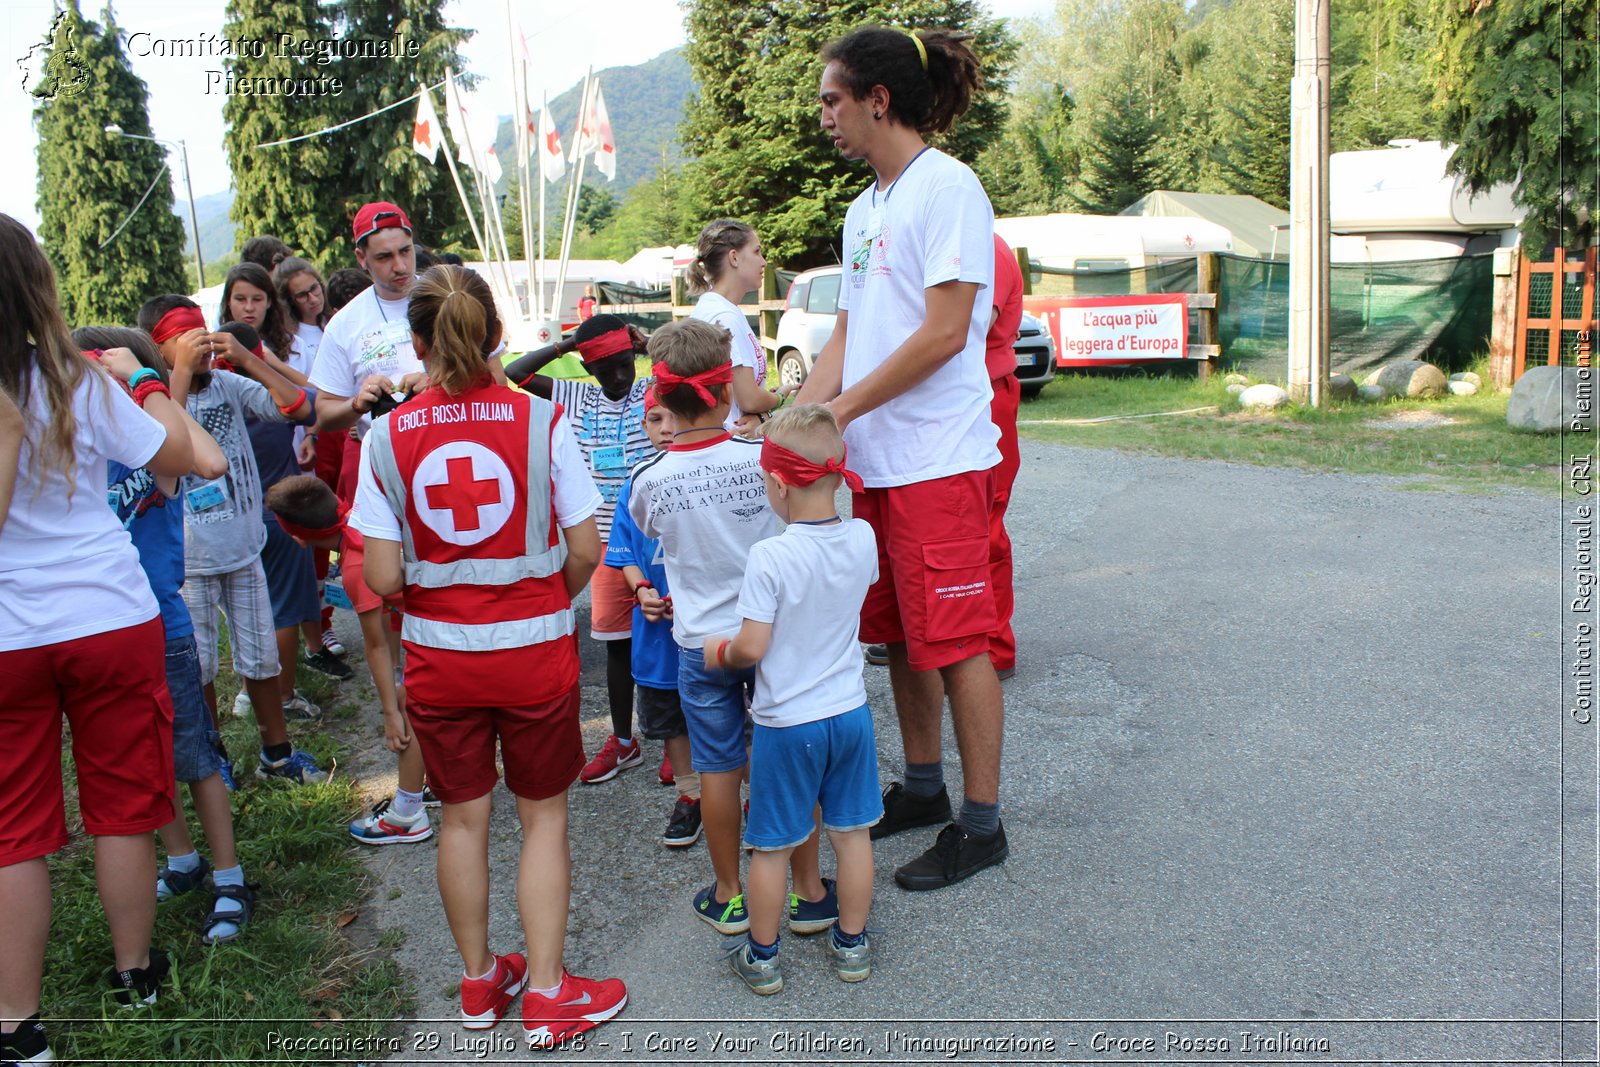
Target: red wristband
148, 388
716, 656
645, 584
298, 400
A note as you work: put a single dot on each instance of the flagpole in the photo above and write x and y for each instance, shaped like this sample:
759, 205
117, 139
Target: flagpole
519, 95
466, 205
572, 200
544, 117
489, 264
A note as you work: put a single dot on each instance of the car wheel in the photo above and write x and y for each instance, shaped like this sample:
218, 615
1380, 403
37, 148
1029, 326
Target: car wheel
1031, 392
791, 368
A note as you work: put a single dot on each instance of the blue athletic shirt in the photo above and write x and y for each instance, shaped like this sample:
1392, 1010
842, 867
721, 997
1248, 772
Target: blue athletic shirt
155, 522
655, 653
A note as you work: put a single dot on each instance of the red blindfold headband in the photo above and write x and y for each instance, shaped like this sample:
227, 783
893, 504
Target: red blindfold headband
794, 469
607, 344
177, 321
666, 381
309, 535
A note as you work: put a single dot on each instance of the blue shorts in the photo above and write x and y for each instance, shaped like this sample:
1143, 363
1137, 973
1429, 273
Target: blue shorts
832, 762
195, 741
291, 579
714, 709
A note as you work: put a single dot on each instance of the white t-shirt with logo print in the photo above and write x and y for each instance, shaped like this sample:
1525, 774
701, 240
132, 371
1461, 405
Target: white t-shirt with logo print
932, 225
745, 350
368, 336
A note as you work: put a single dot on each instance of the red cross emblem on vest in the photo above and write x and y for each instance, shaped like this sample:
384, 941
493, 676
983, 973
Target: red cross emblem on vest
463, 492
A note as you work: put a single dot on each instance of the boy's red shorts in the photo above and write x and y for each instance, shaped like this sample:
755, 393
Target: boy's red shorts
933, 590
352, 566
112, 687
541, 747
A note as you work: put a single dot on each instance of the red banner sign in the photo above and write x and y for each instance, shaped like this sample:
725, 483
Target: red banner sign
1094, 331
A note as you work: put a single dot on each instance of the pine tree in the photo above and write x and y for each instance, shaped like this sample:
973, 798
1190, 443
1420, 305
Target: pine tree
1119, 149
377, 160
293, 192
1517, 92
760, 154
1250, 80
90, 182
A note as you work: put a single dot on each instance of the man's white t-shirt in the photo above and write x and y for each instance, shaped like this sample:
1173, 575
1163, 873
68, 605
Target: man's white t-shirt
932, 225
368, 336
809, 582
745, 349
707, 505
68, 569
573, 492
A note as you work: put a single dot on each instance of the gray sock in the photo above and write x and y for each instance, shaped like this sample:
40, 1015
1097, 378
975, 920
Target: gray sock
979, 819
924, 779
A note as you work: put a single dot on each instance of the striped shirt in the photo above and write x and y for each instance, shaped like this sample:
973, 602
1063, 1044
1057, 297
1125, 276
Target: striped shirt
611, 435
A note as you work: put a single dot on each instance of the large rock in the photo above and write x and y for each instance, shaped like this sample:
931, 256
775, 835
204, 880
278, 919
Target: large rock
1341, 387
1409, 377
1463, 388
1236, 379
1552, 399
1263, 396
1235, 388
1370, 392
1467, 376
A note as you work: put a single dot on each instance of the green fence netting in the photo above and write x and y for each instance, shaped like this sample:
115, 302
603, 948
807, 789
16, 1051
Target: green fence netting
1434, 309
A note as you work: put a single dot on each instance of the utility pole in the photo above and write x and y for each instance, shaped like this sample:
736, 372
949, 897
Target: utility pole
1308, 203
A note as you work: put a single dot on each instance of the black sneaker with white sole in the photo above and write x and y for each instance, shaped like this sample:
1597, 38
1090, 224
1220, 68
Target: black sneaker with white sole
26, 1044
137, 987
684, 828
324, 662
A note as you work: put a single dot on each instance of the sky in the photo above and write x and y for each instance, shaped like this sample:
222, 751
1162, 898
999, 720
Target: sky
561, 47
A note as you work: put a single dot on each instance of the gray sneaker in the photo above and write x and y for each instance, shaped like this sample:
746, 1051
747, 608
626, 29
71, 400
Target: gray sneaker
762, 976
298, 707
852, 964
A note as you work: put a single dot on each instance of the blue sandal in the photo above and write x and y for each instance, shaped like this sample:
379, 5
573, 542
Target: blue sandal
246, 897
177, 883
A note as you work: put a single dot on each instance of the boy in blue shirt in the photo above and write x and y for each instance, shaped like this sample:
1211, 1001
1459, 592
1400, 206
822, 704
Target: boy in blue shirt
655, 654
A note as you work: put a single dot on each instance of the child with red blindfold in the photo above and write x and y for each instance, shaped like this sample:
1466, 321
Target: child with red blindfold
310, 512
813, 744
703, 499
608, 420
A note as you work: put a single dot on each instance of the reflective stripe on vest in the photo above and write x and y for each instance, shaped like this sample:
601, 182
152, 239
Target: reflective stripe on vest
539, 558
489, 636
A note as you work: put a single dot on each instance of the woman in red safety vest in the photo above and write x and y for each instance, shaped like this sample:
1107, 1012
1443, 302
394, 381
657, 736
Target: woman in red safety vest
475, 501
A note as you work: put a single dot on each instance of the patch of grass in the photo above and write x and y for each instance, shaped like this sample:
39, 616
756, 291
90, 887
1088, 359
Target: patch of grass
1477, 450
295, 973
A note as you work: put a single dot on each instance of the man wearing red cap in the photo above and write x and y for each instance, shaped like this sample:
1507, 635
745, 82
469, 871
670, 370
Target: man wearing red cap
608, 421
370, 335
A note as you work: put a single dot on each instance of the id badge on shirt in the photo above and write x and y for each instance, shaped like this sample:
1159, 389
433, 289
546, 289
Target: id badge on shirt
397, 333
609, 459
205, 497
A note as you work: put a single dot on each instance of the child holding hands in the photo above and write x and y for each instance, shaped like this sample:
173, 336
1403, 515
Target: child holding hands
813, 744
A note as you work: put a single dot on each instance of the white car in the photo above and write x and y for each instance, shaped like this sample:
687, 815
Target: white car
813, 303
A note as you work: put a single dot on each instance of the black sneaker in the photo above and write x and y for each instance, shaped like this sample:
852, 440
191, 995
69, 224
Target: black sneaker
877, 655
684, 829
137, 988
955, 855
26, 1044
907, 811
325, 662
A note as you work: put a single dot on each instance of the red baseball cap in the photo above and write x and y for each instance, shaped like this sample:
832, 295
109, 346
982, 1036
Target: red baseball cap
378, 215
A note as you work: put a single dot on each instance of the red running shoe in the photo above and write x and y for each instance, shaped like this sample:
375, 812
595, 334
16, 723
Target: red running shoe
580, 1004
609, 760
484, 1000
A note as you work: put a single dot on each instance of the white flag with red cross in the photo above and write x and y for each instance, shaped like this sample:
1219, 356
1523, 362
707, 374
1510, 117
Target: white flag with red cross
425, 132
552, 161
594, 135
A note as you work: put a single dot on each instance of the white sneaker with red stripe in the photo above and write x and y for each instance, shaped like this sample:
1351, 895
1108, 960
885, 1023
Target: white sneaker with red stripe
580, 1004
384, 827
484, 1000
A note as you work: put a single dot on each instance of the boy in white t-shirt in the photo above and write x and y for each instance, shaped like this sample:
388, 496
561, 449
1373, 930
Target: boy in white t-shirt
813, 743
703, 500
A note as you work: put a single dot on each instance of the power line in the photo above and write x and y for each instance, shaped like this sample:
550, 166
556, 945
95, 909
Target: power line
135, 211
